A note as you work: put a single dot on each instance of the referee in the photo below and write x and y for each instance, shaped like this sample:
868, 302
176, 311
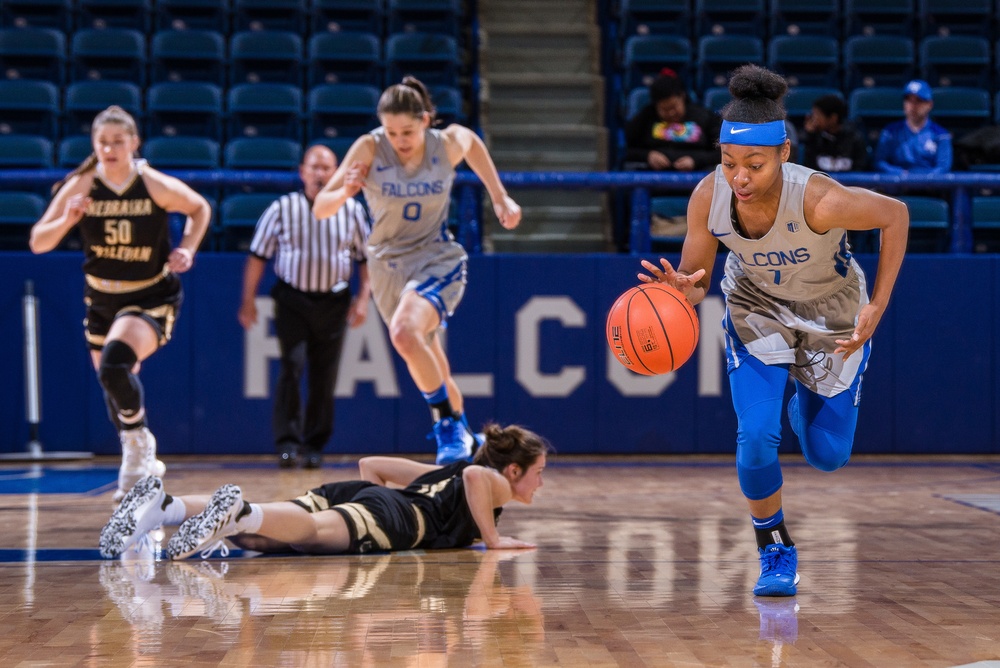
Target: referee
312, 303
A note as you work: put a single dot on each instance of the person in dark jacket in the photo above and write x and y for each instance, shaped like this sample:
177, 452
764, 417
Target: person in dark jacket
830, 143
672, 133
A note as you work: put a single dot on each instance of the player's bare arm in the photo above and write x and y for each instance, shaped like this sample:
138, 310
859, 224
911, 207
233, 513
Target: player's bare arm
462, 143
348, 180
392, 470
63, 213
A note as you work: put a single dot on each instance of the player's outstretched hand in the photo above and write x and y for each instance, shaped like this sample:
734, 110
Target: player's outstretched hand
508, 543
665, 273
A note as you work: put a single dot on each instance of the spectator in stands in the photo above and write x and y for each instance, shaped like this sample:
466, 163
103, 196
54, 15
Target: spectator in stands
832, 144
672, 133
312, 303
916, 144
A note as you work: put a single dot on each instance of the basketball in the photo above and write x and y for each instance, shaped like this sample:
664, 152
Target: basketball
652, 329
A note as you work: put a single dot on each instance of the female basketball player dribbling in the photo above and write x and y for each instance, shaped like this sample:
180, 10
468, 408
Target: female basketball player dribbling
133, 294
796, 300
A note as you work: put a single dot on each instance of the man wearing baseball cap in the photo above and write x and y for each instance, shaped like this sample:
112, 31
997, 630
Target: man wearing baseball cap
916, 144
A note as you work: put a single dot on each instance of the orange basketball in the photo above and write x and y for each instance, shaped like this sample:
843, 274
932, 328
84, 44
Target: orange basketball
652, 329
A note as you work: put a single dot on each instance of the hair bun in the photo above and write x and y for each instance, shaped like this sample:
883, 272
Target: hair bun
754, 82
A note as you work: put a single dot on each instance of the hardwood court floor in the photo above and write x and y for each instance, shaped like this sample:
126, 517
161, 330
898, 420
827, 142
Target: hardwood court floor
640, 563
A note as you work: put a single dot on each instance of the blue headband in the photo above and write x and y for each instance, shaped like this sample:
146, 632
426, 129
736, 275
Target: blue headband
753, 134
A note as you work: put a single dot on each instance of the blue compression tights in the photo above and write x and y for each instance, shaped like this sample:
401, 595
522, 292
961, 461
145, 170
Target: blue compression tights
826, 439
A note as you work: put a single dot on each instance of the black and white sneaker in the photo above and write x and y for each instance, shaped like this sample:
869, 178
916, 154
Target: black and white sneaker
206, 531
140, 511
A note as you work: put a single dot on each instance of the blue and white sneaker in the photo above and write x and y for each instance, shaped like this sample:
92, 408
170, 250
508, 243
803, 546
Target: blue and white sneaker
778, 571
206, 532
454, 441
140, 511
478, 437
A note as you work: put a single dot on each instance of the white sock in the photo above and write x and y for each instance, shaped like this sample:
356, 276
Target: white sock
251, 523
175, 512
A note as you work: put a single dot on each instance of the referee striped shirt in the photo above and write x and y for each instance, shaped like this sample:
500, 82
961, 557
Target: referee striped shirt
311, 255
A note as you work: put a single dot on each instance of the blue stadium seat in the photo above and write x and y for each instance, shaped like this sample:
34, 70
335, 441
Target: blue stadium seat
238, 216
645, 55
345, 57
956, 17
961, 109
266, 56
719, 55
799, 101
930, 221
181, 153
805, 60
878, 60
262, 153
265, 110
348, 15
336, 110
192, 109
188, 55
450, 105
193, 15
57, 14
33, 53
290, 15
655, 17
636, 99
25, 152
958, 60
73, 151
339, 145
18, 212
430, 16
132, 14
433, 59
111, 54
669, 206
986, 212
879, 17
716, 97
85, 99
873, 108
729, 17
29, 107
804, 17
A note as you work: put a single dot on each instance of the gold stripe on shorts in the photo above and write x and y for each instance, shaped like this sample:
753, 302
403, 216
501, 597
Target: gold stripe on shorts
421, 526
366, 525
313, 502
112, 287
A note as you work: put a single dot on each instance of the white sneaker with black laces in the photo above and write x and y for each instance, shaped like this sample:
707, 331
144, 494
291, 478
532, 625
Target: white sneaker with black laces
206, 531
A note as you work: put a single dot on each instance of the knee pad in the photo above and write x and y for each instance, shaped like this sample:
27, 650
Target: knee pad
825, 451
826, 429
117, 379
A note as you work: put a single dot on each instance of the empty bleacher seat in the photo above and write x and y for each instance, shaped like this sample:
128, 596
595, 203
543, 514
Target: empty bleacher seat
956, 17
345, 57
33, 53
450, 105
719, 55
959, 60
716, 97
181, 153
804, 17
185, 108
25, 152
339, 145
238, 216
432, 16
930, 221
341, 109
434, 59
960, 109
805, 60
645, 55
290, 15
668, 216
873, 108
655, 17
56, 14
18, 212
133, 14
265, 56
29, 107
193, 15
879, 17
73, 151
986, 222
878, 60
188, 55
262, 153
265, 110
85, 99
636, 99
348, 15
113, 54
729, 17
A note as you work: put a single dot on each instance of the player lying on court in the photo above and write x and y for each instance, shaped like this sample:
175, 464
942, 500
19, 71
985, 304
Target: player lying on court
429, 507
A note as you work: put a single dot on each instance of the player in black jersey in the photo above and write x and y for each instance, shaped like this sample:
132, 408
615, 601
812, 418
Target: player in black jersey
120, 205
427, 507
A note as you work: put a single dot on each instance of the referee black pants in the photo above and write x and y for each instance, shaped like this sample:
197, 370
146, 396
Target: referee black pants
310, 328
